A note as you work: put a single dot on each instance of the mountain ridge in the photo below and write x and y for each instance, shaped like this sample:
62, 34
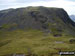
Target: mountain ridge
72, 17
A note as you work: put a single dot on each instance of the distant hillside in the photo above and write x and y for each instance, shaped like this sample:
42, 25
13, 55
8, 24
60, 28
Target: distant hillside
72, 17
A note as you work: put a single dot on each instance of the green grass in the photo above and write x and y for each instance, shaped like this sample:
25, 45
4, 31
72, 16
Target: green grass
33, 41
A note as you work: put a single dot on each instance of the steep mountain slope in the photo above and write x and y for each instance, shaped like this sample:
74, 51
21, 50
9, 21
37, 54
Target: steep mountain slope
36, 31
37, 18
72, 17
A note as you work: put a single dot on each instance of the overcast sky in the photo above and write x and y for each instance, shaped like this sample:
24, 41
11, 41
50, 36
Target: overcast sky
68, 5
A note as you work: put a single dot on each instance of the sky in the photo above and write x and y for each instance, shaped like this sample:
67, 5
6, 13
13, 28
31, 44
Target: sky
68, 5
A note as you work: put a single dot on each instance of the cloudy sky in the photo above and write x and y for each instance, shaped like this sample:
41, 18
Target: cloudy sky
68, 5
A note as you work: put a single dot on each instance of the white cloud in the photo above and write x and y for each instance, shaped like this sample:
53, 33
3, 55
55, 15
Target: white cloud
69, 6
6, 1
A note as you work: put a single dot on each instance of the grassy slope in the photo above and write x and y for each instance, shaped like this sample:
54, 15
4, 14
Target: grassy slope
32, 41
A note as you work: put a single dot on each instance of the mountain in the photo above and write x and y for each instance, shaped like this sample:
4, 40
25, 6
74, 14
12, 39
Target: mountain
72, 17
36, 31
36, 18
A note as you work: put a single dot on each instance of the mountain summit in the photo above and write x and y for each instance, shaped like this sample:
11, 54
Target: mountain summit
42, 18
